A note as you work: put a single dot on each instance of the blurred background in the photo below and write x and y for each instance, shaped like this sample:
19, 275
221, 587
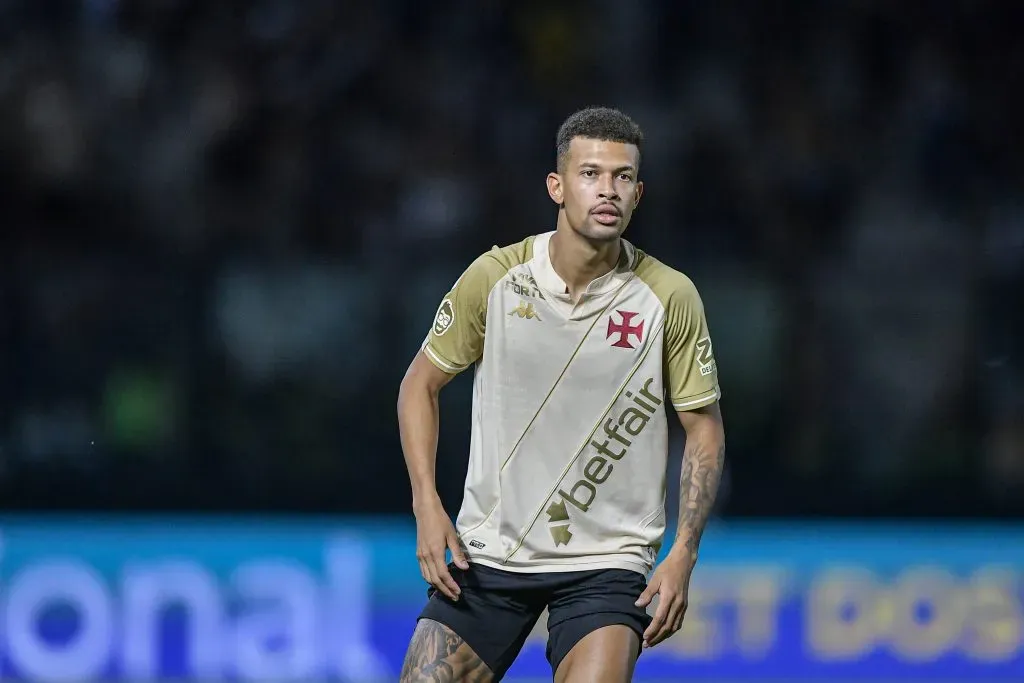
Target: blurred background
227, 226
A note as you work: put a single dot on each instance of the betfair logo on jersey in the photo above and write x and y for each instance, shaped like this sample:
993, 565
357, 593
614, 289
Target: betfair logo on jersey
525, 310
444, 318
609, 445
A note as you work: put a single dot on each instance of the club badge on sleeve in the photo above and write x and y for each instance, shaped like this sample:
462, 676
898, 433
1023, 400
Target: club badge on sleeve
444, 318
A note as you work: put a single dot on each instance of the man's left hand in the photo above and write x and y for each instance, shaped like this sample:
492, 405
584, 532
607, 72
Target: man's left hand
671, 582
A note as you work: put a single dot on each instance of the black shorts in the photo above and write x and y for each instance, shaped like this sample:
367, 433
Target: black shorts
497, 610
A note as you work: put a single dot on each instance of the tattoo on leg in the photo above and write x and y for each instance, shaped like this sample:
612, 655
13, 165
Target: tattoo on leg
437, 655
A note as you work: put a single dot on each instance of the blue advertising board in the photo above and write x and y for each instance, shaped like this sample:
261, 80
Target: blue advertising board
335, 600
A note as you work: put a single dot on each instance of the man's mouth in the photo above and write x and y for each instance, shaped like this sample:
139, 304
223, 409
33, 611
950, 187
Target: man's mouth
606, 214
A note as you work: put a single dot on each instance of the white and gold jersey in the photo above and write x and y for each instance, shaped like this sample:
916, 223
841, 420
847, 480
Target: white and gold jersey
568, 453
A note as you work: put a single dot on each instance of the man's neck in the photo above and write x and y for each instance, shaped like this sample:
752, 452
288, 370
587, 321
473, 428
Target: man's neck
578, 261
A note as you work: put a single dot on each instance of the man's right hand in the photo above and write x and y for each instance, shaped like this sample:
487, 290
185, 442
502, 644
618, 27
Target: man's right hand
435, 534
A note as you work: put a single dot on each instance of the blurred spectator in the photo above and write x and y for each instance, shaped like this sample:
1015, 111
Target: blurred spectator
227, 227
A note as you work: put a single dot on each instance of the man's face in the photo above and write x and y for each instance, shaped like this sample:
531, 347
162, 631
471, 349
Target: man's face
598, 187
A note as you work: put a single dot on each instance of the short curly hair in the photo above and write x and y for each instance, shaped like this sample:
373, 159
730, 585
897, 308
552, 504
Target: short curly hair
597, 123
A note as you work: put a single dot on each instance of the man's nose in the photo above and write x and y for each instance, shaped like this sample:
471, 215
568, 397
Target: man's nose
607, 190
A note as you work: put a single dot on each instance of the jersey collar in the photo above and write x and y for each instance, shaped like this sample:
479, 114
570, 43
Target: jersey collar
550, 281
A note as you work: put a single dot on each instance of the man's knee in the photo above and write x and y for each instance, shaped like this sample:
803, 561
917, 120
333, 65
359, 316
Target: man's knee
438, 654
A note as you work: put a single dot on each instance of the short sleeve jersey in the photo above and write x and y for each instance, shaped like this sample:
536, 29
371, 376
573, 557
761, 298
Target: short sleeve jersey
568, 451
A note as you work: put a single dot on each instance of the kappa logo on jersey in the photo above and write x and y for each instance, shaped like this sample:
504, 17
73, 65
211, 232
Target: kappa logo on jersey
705, 356
525, 310
625, 330
583, 492
444, 318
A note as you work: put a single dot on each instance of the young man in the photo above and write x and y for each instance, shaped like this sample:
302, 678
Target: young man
579, 339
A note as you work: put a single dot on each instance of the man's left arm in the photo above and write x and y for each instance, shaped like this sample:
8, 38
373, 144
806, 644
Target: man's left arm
703, 460
691, 374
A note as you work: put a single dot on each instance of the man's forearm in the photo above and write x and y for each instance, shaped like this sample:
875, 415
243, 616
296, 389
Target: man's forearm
418, 426
703, 461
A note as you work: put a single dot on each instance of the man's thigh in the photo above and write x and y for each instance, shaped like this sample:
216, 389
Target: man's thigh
581, 617
436, 653
607, 655
477, 637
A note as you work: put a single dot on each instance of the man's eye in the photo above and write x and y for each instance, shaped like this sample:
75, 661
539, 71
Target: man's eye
589, 174
628, 178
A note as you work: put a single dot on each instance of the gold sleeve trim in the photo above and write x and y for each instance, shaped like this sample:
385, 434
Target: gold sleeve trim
699, 401
441, 362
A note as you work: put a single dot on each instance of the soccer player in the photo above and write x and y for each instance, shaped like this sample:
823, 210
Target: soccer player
579, 340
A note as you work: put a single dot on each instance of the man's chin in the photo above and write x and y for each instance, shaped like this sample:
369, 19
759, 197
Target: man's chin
595, 232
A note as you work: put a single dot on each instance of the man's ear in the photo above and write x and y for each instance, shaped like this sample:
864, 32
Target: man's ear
554, 181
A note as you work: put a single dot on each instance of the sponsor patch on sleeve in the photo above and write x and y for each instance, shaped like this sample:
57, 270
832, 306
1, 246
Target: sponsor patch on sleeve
444, 318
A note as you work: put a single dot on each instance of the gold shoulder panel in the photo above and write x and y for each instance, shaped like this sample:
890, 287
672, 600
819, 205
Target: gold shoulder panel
456, 338
691, 371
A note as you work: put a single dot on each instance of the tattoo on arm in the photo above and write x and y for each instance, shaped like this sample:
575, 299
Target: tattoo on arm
698, 487
437, 655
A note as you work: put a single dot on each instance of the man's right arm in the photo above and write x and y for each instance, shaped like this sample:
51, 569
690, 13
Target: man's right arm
455, 342
418, 424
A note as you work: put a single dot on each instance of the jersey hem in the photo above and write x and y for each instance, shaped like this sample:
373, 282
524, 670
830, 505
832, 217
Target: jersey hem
698, 401
573, 565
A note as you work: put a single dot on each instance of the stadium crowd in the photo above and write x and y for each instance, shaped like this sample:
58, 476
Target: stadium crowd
227, 227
